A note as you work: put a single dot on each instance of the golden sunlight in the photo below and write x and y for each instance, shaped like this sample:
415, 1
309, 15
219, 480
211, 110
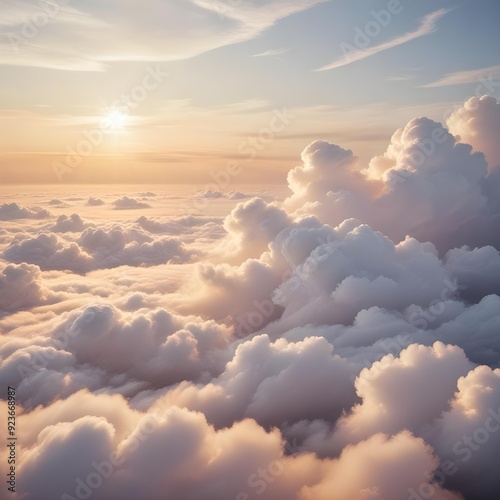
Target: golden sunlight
115, 120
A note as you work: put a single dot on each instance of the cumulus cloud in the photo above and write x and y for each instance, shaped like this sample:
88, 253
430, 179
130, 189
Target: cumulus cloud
21, 286
123, 451
55, 202
178, 451
353, 268
95, 248
440, 189
217, 195
94, 202
388, 468
427, 26
476, 123
126, 203
264, 380
65, 224
238, 295
119, 246
237, 195
93, 436
251, 226
155, 347
179, 225
210, 195
467, 76
13, 211
185, 29
477, 271
467, 436
200, 232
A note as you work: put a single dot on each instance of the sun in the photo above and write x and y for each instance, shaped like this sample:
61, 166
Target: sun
115, 120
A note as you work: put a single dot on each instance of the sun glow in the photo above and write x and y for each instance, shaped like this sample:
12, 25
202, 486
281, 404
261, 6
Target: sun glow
115, 120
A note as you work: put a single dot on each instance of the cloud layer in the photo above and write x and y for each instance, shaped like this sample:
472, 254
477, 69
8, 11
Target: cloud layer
340, 344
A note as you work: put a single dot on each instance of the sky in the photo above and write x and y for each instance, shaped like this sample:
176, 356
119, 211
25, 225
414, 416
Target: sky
249, 250
216, 72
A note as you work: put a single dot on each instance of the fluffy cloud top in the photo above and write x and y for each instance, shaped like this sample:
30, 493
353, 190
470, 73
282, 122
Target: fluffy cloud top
64, 224
439, 188
13, 211
127, 203
477, 123
176, 450
94, 202
95, 248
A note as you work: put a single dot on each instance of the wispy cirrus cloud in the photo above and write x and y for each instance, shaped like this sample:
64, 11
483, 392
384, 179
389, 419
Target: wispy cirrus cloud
464, 77
271, 52
428, 25
401, 78
88, 36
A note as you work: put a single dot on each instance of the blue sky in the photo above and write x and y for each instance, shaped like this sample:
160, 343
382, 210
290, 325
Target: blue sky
466, 38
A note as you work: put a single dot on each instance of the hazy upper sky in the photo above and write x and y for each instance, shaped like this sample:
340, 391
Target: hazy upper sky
168, 91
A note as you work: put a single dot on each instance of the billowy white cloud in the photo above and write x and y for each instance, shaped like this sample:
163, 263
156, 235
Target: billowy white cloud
126, 203
440, 188
476, 123
95, 248
21, 287
13, 211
